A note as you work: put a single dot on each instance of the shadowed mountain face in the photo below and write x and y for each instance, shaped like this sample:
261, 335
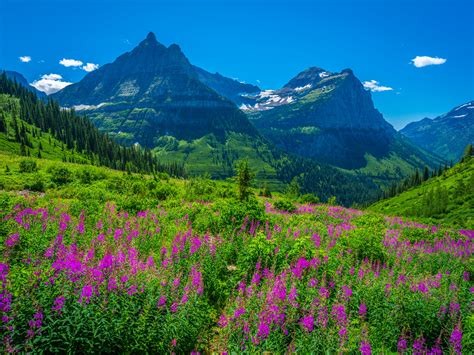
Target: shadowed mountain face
20, 79
150, 92
329, 117
230, 88
446, 135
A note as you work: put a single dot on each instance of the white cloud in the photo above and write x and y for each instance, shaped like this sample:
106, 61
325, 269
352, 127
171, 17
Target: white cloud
423, 61
90, 67
25, 59
50, 83
70, 62
52, 77
373, 85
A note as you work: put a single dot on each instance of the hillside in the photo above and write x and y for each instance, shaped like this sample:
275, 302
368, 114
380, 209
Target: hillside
446, 199
186, 262
25, 120
18, 137
446, 135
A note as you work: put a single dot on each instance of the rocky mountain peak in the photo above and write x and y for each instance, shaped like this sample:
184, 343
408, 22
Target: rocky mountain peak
310, 76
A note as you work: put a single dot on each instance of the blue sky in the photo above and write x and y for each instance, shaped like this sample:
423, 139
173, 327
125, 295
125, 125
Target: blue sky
262, 42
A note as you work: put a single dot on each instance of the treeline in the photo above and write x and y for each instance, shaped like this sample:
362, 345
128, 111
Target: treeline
79, 133
325, 181
418, 177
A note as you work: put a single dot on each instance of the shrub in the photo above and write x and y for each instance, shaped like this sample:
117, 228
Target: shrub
284, 205
37, 184
367, 243
309, 198
28, 166
233, 212
60, 175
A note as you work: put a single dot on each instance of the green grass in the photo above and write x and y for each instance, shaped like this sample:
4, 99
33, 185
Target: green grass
52, 148
460, 206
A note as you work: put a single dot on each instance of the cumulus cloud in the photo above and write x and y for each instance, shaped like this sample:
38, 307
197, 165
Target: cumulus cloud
25, 59
423, 61
374, 85
90, 67
50, 83
70, 62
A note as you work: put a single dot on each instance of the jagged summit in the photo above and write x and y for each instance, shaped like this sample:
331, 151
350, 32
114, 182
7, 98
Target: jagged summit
153, 91
310, 76
151, 37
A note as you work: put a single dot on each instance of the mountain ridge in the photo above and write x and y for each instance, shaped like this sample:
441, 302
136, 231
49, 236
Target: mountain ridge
446, 135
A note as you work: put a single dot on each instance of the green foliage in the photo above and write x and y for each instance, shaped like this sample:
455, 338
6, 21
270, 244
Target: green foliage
60, 175
309, 199
332, 201
447, 198
28, 166
244, 179
284, 205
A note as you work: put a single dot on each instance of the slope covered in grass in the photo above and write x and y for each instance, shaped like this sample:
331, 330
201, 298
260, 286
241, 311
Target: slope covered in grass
104, 261
447, 199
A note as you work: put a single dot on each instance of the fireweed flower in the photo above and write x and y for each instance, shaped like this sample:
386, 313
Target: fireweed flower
86, 294
59, 304
12, 240
362, 310
347, 292
419, 346
308, 323
456, 339
223, 321
365, 348
238, 312
402, 345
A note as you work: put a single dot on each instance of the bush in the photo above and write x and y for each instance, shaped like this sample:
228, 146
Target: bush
284, 205
233, 211
60, 175
332, 201
28, 166
309, 198
37, 184
367, 243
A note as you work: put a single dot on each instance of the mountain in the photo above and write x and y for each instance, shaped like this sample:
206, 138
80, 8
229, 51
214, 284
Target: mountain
446, 135
20, 79
33, 127
447, 198
232, 89
150, 92
153, 96
330, 117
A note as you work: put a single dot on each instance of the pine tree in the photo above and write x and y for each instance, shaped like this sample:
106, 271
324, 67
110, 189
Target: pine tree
3, 123
244, 179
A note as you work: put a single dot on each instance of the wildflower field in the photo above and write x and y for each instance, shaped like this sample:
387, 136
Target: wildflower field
226, 276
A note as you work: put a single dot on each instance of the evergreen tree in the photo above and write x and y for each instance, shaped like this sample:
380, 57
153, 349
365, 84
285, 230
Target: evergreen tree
244, 179
3, 124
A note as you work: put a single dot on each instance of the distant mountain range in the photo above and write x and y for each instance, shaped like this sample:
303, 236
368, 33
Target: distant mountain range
446, 135
153, 96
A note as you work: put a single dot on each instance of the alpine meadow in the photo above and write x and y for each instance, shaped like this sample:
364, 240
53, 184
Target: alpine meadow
292, 177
